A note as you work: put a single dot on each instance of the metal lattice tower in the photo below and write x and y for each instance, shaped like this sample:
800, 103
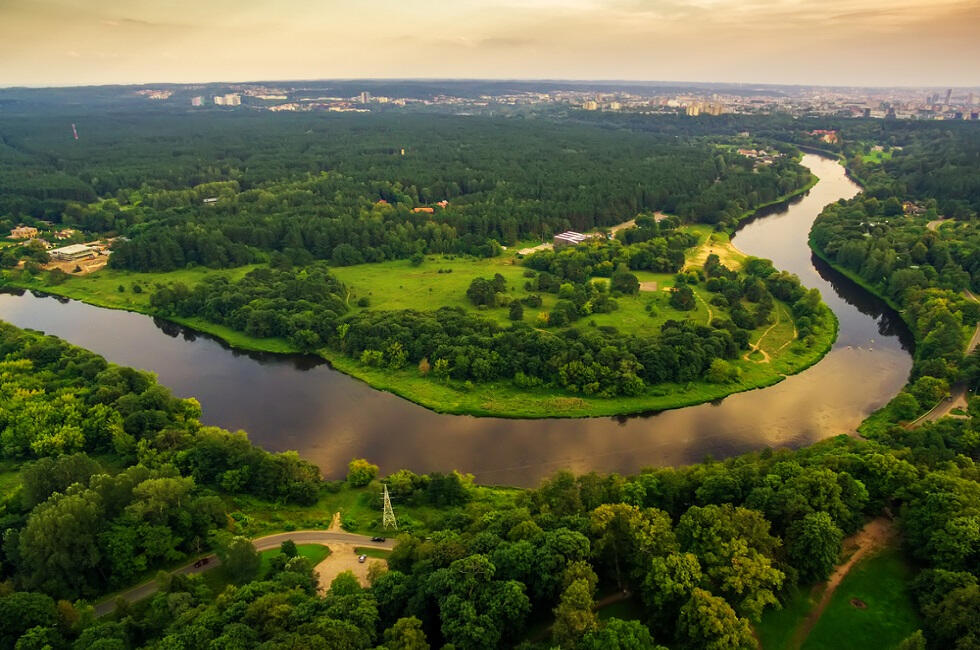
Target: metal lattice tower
388, 517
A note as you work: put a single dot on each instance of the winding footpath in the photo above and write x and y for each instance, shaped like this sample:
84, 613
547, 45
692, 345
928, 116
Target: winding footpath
207, 562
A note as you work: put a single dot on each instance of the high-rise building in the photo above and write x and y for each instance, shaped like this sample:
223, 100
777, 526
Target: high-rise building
949, 94
694, 109
591, 105
365, 97
219, 100
233, 99
197, 101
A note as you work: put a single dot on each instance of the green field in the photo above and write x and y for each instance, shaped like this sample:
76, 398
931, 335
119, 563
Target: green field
216, 579
881, 583
442, 281
876, 157
775, 630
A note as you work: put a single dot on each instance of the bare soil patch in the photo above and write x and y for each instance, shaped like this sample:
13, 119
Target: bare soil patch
343, 558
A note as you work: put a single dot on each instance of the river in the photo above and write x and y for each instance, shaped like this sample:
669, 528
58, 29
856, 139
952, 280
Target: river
301, 403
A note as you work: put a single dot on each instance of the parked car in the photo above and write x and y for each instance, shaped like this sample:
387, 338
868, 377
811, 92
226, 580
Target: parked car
362, 559
377, 539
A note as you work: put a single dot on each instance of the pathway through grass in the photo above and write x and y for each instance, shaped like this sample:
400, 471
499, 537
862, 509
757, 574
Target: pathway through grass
877, 534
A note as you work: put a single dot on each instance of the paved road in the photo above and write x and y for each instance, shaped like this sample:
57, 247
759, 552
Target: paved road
324, 537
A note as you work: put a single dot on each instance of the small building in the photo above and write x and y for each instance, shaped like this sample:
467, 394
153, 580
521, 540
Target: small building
65, 233
570, 238
210, 200
73, 252
426, 210
23, 232
443, 203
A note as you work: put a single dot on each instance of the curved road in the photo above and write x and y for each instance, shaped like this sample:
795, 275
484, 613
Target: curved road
265, 543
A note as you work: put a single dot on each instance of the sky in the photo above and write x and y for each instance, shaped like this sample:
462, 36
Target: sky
821, 42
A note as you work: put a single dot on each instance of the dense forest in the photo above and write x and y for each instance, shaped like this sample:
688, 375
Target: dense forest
122, 478
363, 189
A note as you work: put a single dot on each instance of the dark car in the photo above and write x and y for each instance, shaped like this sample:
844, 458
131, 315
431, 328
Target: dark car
377, 539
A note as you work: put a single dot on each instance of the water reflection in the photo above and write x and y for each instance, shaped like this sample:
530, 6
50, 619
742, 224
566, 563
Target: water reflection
331, 418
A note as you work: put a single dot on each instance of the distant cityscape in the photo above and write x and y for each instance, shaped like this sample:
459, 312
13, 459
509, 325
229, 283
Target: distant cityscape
902, 103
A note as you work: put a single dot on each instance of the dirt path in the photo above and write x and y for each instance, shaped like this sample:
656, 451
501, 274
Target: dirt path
876, 534
711, 314
622, 226
933, 225
757, 346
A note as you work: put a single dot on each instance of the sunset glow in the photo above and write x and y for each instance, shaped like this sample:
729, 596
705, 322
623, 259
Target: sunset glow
842, 42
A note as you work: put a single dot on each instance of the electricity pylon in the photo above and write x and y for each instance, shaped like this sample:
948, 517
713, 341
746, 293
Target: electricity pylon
388, 517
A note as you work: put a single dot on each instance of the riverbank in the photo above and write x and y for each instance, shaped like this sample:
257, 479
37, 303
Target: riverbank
748, 214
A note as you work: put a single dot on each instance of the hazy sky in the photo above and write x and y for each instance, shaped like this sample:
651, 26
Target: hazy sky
846, 42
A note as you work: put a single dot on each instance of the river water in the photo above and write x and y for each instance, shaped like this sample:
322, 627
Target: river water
300, 403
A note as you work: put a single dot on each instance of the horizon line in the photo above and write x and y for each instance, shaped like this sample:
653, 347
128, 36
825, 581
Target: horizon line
488, 79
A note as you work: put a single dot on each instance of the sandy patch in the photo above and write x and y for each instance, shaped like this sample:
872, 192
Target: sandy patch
343, 558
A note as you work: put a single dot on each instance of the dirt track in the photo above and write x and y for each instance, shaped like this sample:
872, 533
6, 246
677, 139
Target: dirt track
876, 534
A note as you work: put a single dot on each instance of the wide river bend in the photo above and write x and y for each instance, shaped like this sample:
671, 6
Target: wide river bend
300, 403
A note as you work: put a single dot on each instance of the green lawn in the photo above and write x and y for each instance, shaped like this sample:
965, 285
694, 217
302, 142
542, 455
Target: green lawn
217, 581
881, 582
775, 630
876, 157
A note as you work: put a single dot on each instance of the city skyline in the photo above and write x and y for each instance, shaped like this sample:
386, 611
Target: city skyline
835, 43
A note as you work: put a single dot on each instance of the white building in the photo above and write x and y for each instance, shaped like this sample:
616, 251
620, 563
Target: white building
73, 252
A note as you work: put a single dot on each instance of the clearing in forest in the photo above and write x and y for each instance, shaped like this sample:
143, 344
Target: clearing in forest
864, 604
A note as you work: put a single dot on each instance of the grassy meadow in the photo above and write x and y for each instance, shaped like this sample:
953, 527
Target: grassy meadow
883, 617
880, 583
